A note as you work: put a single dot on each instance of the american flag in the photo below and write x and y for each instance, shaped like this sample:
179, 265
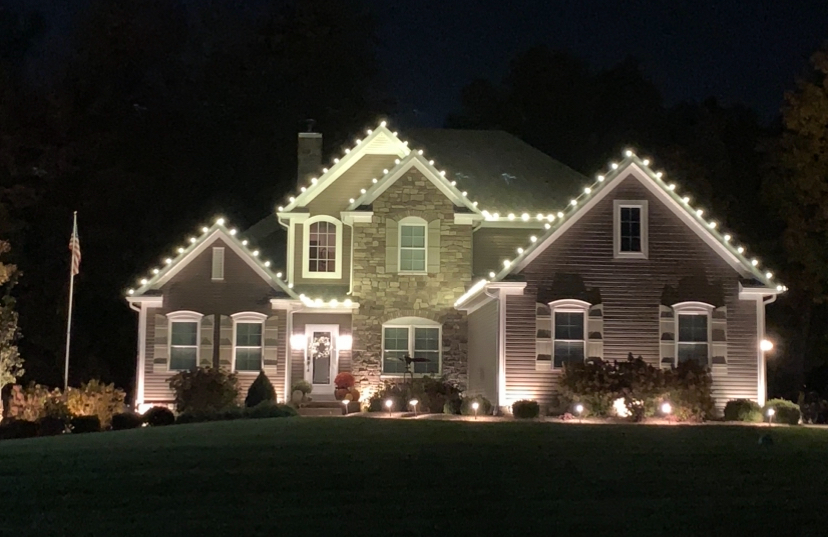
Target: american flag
74, 247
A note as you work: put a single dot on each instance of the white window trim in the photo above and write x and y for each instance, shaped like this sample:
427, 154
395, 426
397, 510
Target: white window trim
250, 317
215, 278
693, 308
183, 316
616, 226
411, 323
412, 221
306, 225
569, 305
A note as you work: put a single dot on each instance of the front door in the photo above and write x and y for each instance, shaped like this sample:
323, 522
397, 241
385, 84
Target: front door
321, 360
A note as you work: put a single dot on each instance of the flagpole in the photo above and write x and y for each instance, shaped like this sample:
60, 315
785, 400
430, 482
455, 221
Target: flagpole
69, 317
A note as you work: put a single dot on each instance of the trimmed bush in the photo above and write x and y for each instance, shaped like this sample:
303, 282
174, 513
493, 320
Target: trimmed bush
260, 391
785, 411
225, 414
452, 406
269, 410
159, 416
814, 408
432, 395
524, 409
204, 389
12, 429
94, 398
51, 426
743, 410
484, 406
85, 424
303, 386
126, 420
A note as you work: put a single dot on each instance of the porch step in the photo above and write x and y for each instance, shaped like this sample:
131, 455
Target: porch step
327, 408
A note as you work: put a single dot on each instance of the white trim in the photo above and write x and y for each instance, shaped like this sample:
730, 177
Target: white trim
291, 253
757, 293
358, 217
149, 301
501, 346
641, 205
569, 305
338, 257
248, 317
325, 389
183, 316
467, 219
513, 224
412, 323
140, 374
412, 221
217, 264
693, 308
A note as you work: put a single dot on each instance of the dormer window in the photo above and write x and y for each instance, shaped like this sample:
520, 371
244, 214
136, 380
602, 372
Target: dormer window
323, 248
630, 229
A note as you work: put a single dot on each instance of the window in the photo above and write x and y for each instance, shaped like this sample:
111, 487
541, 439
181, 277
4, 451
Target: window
218, 263
412, 245
248, 346
414, 337
323, 248
565, 336
630, 223
569, 339
693, 332
183, 345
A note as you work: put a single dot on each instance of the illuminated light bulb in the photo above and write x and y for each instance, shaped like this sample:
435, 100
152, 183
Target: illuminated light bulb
220, 221
601, 178
181, 250
550, 217
347, 150
520, 250
506, 263
405, 142
374, 180
539, 216
278, 274
292, 199
465, 193
318, 302
614, 166
573, 203
431, 162
369, 131
336, 161
646, 162
302, 189
384, 171
396, 161
168, 261
267, 263
233, 231
205, 229
727, 237
255, 253
420, 152
672, 186
352, 200
486, 213
524, 217
382, 123
280, 208
244, 242
779, 287
358, 141
712, 225
560, 214
496, 216
156, 271
754, 262
443, 173
347, 302
474, 204
686, 199
699, 212
394, 133
547, 226
324, 170
362, 191
143, 281
666, 408
192, 240
769, 275
491, 275
314, 180
587, 190
628, 153
658, 174
290, 286
130, 291
533, 239
334, 302
511, 216
740, 250
454, 183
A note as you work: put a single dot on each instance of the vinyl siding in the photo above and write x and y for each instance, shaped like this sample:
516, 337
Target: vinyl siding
490, 246
482, 358
680, 267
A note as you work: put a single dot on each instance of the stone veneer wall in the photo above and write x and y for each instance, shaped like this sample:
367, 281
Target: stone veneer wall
383, 297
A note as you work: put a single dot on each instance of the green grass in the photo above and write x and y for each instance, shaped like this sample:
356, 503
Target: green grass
355, 477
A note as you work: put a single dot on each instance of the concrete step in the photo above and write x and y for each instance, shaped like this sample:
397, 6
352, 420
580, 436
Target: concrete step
328, 408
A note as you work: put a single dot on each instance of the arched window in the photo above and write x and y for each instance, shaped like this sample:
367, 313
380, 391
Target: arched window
414, 337
323, 248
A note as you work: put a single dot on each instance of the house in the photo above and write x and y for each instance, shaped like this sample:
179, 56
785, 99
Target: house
471, 250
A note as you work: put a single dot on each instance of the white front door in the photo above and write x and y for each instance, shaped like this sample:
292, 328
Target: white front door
321, 357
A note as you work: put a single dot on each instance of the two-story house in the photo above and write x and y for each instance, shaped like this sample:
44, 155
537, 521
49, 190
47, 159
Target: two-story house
471, 250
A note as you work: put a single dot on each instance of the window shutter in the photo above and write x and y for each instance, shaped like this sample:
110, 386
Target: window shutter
392, 242
433, 254
595, 332
667, 336
161, 349
543, 338
205, 347
218, 263
718, 337
270, 350
226, 342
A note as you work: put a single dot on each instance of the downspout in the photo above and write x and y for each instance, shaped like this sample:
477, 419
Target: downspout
140, 368
501, 348
762, 373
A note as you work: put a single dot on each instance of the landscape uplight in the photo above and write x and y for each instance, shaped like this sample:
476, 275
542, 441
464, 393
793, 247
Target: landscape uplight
413, 403
666, 408
389, 403
771, 413
475, 407
579, 409
345, 405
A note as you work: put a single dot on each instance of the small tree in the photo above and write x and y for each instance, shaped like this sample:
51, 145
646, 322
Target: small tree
11, 364
260, 391
204, 389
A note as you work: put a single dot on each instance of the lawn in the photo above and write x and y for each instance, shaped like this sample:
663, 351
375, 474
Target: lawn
336, 477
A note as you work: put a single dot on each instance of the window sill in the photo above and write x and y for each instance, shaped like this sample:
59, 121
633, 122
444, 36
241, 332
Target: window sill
630, 255
412, 273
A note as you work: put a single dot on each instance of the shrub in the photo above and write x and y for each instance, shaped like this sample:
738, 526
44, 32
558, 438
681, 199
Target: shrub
269, 410
260, 391
484, 406
814, 408
785, 411
12, 429
344, 380
94, 398
126, 420
524, 409
432, 395
452, 406
225, 414
159, 416
204, 389
742, 410
27, 403
50, 426
303, 386
85, 424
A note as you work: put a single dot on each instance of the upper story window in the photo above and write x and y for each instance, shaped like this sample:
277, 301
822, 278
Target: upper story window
413, 233
323, 248
630, 229
413, 337
184, 332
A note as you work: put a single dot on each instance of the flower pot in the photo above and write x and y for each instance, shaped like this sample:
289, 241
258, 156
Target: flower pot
297, 396
340, 393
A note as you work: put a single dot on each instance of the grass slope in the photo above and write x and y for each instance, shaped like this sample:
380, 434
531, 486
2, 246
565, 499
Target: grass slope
332, 477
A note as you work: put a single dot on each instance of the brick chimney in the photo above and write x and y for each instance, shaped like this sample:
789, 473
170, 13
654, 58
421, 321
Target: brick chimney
309, 155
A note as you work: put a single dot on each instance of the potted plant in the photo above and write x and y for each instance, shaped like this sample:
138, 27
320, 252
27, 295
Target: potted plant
301, 389
344, 382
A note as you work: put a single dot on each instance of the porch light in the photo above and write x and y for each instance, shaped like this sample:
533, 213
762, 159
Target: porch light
298, 342
666, 408
345, 342
766, 345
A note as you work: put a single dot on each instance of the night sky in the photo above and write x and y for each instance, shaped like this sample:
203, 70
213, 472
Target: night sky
740, 51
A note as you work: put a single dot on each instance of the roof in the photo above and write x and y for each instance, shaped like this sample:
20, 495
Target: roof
501, 172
